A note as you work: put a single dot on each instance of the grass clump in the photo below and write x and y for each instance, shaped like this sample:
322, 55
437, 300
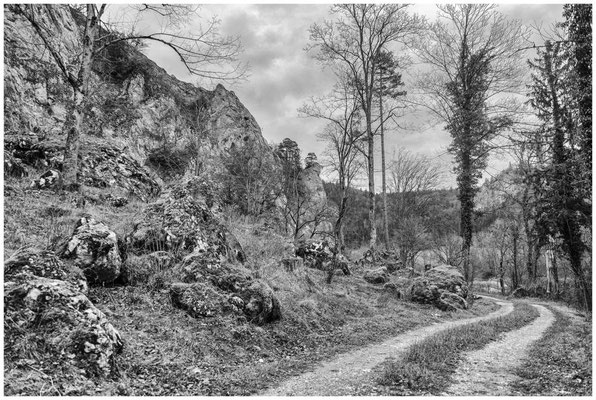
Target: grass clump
560, 363
428, 365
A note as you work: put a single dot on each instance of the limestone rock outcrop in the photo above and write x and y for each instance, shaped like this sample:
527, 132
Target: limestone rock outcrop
214, 288
73, 331
319, 254
44, 264
159, 122
444, 286
47, 298
94, 249
315, 213
181, 221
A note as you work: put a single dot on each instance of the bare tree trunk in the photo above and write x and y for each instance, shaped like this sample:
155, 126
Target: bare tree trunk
80, 87
371, 184
339, 226
515, 238
383, 167
71, 149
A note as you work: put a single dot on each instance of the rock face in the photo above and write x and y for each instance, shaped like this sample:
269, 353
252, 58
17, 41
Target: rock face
94, 249
314, 209
45, 298
443, 286
148, 116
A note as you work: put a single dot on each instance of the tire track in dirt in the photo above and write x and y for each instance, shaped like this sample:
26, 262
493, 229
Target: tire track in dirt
487, 372
348, 373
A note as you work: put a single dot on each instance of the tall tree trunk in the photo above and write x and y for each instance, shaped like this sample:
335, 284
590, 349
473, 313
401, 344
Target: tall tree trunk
383, 165
371, 183
339, 226
567, 222
80, 88
515, 238
74, 124
466, 197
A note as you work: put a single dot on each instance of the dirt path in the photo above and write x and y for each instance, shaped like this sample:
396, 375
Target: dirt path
350, 373
487, 371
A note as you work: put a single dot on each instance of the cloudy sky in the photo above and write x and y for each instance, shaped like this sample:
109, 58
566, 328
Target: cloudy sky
283, 75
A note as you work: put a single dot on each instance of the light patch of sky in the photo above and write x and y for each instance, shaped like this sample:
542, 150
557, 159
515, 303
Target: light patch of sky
283, 75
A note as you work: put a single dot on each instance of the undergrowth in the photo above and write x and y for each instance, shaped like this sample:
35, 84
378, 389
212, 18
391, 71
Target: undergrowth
428, 365
560, 363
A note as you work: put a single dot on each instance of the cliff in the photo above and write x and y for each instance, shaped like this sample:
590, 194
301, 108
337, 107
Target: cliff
162, 127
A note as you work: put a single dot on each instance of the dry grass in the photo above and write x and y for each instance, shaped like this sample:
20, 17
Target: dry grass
169, 353
44, 218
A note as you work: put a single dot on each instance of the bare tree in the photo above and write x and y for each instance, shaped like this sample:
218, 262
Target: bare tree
353, 41
389, 87
343, 136
411, 177
475, 55
198, 51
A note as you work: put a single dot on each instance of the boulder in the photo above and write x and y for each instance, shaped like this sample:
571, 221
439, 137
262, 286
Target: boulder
424, 292
252, 297
388, 258
314, 252
444, 286
197, 299
181, 221
377, 276
451, 302
68, 329
49, 179
44, 264
260, 304
319, 254
398, 287
93, 248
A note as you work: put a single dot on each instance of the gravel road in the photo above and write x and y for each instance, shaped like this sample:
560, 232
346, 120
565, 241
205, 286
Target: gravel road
350, 373
487, 372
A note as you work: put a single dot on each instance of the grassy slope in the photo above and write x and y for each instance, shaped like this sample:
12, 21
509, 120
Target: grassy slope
168, 352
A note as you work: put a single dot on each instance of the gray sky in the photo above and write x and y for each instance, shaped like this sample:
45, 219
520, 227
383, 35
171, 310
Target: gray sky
283, 75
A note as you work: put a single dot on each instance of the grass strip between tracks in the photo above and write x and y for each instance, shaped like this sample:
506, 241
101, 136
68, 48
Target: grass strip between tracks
427, 366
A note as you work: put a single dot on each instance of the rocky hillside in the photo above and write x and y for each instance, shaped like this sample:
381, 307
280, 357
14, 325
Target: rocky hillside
143, 282
142, 125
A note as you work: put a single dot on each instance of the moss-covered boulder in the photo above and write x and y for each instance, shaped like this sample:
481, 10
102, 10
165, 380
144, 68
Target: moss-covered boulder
207, 282
182, 221
443, 286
